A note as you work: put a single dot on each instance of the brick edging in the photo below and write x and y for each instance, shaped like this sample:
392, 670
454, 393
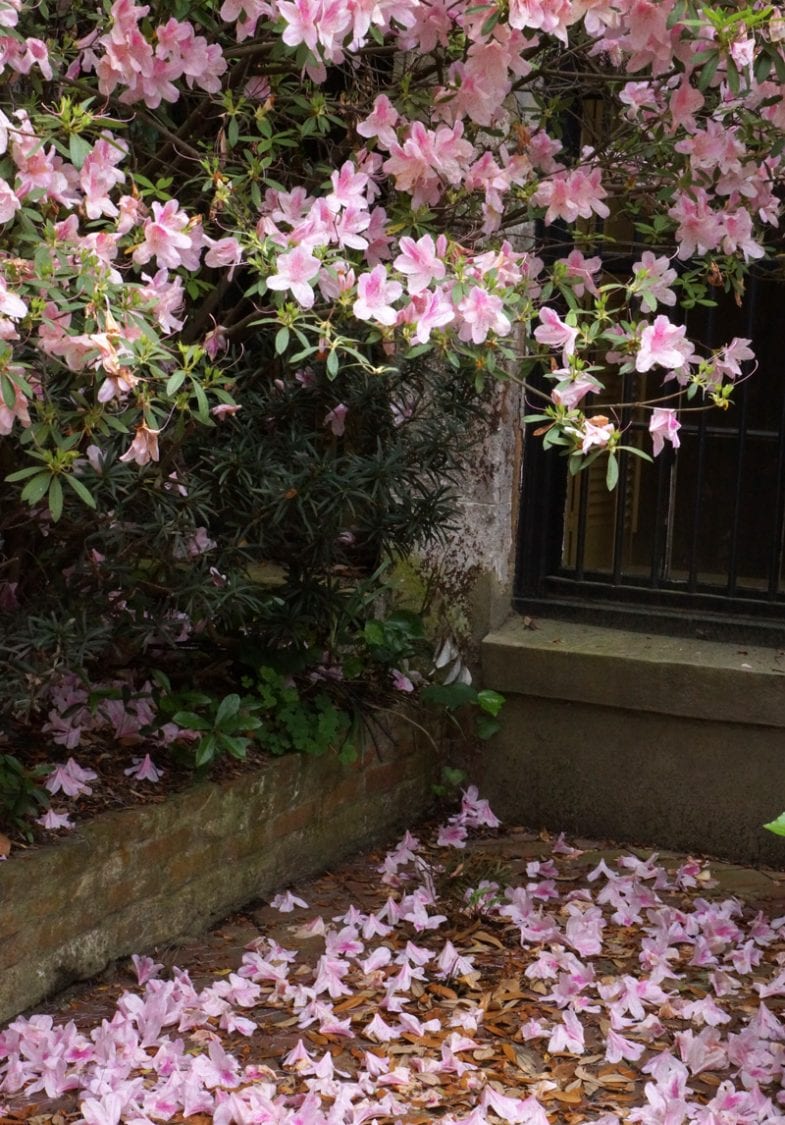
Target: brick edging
129, 880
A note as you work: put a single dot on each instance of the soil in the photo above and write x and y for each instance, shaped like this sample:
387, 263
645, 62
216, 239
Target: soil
113, 790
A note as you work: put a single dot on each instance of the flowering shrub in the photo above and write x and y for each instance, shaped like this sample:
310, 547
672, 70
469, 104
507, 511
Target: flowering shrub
258, 264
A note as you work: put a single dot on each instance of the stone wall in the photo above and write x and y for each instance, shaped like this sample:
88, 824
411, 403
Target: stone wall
652, 740
129, 880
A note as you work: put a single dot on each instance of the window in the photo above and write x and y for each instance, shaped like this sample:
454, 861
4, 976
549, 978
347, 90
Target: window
692, 542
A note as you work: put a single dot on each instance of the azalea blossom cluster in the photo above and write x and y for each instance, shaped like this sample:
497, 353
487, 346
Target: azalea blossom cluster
363, 225
236, 215
693, 1006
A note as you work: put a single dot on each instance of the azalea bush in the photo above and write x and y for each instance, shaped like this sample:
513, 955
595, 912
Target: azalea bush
262, 262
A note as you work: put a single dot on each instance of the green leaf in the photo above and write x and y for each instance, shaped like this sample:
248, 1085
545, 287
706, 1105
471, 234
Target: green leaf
487, 726
732, 76
408, 621
707, 72
612, 472
22, 474
78, 149
228, 707
374, 633
174, 382
8, 390
347, 755
450, 696
281, 340
190, 720
83, 493
37, 487
763, 65
202, 405
332, 364
777, 826
56, 498
490, 701
489, 24
237, 747
205, 751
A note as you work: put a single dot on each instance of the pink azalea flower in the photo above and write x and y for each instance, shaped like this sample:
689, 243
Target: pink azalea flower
429, 309
595, 433
400, 681
9, 202
224, 252
144, 447
380, 1031
144, 769
297, 1056
106, 1110
381, 122
375, 295
482, 313
145, 968
570, 392
225, 410
349, 188
701, 1052
664, 426
421, 262
71, 779
296, 269
10, 304
699, 229
330, 972
475, 811
452, 964
166, 237
584, 929
287, 902
617, 1048
554, 333
54, 819
451, 836
567, 1037
581, 272
652, 278
518, 1111
336, 419
728, 361
561, 847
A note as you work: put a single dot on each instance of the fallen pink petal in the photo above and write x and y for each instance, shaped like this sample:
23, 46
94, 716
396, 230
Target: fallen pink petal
55, 819
144, 769
592, 1002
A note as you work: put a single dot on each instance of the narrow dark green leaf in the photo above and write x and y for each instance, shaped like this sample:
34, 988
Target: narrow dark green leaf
83, 493
56, 499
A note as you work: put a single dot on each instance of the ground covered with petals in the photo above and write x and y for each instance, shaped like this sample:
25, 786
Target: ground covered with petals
465, 976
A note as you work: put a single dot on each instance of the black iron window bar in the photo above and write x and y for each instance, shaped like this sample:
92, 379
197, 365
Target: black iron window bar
692, 541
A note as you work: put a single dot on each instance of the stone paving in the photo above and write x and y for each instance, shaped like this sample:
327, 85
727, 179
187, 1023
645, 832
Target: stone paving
504, 1073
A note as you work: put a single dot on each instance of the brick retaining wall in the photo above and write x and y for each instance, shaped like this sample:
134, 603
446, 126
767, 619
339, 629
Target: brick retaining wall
129, 880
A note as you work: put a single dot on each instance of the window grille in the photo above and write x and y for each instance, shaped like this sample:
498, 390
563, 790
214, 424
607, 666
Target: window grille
693, 541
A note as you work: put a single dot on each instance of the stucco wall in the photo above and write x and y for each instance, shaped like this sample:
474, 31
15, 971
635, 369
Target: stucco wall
655, 740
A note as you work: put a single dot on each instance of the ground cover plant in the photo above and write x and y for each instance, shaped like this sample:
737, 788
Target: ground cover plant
504, 980
260, 265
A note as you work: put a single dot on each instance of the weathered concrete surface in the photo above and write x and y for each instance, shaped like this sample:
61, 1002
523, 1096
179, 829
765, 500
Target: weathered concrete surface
476, 563
670, 742
129, 880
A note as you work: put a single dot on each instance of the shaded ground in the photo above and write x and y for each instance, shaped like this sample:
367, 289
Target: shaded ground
551, 991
